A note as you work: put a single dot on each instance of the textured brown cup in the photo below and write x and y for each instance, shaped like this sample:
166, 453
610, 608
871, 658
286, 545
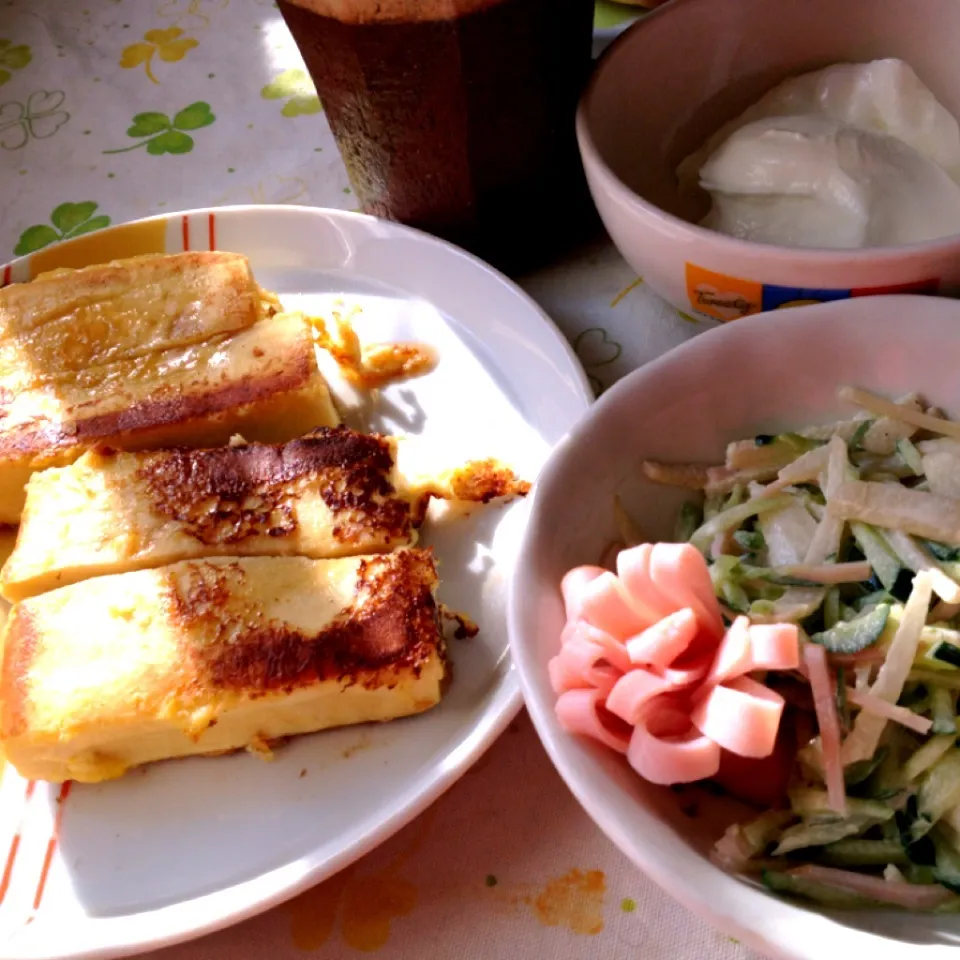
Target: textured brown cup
457, 116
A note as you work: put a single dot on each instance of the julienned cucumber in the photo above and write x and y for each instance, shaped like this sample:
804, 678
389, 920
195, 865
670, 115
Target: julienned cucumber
939, 792
864, 853
946, 652
852, 636
946, 870
783, 882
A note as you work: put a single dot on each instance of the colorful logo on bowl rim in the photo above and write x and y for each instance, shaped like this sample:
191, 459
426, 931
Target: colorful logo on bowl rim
725, 298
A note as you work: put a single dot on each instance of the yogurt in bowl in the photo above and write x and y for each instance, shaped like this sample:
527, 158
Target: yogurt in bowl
855, 155
712, 61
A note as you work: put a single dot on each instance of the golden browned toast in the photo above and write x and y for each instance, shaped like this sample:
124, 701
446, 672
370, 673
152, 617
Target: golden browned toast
209, 656
262, 381
332, 493
71, 320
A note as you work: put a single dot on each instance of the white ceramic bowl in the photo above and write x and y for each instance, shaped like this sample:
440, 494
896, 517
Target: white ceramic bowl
666, 84
762, 374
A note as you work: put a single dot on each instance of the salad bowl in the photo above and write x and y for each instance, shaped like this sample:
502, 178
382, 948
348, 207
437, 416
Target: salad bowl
762, 375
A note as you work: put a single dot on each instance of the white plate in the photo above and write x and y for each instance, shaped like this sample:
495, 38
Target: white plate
764, 374
184, 848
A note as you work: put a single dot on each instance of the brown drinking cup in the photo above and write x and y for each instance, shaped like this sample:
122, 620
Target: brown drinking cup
457, 116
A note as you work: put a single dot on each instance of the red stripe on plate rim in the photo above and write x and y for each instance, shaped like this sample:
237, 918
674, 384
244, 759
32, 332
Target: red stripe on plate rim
51, 847
15, 844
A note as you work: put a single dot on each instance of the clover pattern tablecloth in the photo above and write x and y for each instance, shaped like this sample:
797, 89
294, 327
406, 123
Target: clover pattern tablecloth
112, 110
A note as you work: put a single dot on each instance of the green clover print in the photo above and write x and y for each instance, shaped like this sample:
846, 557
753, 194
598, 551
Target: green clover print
297, 89
69, 219
12, 58
164, 135
40, 117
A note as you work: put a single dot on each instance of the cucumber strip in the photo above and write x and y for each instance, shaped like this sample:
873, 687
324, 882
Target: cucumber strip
939, 792
831, 608
771, 575
943, 551
948, 678
691, 516
810, 802
712, 505
886, 565
862, 769
735, 517
783, 882
737, 496
852, 636
872, 600
919, 875
796, 604
856, 439
750, 540
927, 755
943, 710
843, 707
944, 651
818, 834
734, 596
910, 455
915, 558
946, 870
863, 853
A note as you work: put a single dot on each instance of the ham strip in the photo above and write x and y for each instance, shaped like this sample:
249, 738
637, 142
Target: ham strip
603, 604
632, 692
742, 716
659, 645
582, 712
572, 586
668, 757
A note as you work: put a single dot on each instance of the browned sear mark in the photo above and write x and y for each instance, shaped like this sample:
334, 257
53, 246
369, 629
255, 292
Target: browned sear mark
225, 495
392, 623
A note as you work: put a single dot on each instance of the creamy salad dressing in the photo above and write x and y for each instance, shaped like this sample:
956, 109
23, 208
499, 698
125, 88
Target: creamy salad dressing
856, 155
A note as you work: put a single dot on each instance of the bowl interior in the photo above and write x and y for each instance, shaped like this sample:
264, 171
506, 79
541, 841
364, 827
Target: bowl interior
675, 77
760, 374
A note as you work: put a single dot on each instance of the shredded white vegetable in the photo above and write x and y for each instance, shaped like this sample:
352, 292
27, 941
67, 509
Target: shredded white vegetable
886, 408
862, 742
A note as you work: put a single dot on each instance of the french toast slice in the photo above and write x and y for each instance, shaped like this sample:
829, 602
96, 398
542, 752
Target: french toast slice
210, 656
332, 493
262, 382
67, 321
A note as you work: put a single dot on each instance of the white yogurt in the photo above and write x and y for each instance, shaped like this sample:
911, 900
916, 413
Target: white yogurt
856, 155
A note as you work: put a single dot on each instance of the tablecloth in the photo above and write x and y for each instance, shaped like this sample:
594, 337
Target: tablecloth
116, 109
